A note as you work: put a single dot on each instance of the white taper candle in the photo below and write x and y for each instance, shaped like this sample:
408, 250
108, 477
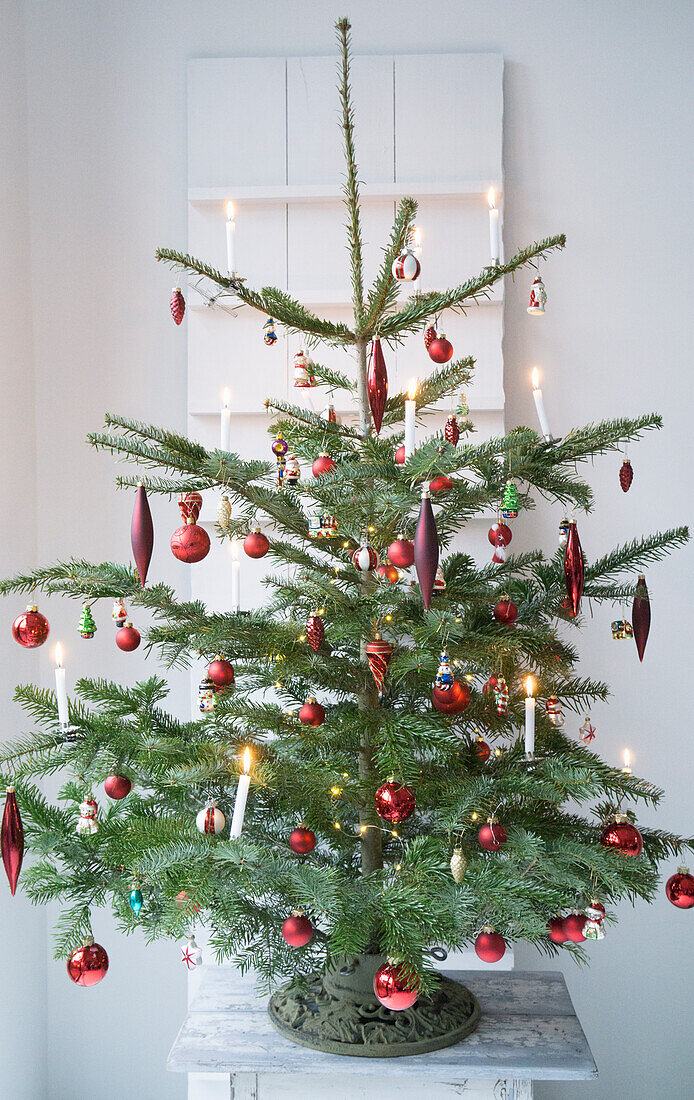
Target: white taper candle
241, 796
225, 424
540, 406
494, 234
529, 717
235, 577
61, 688
410, 410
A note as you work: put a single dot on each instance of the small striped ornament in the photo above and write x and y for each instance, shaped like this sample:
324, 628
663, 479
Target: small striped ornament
365, 558
210, 818
177, 305
406, 267
378, 653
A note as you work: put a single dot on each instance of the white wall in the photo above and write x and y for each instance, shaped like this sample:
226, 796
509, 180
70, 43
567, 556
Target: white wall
595, 146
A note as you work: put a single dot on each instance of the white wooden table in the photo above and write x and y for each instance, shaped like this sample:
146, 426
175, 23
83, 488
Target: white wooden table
529, 1031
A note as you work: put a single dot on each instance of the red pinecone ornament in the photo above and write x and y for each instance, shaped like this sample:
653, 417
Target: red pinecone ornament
555, 930
490, 946
679, 889
626, 475
256, 544
393, 989
395, 803
302, 840
177, 305
312, 713
127, 638
323, 464
315, 632
452, 430
401, 553
573, 927
440, 349
297, 930
492, 836
622, 836
452, 700
221, 672
506, 612
117, 786
12, 839
429, 336
87, 965
30, 628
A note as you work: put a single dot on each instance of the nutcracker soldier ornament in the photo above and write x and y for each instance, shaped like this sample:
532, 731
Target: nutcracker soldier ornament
269, 334
563, 532
538, 296
444, 675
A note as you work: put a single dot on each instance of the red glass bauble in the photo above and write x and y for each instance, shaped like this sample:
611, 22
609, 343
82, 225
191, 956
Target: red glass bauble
395, 802
492, 836
88, 965
127, 638
622, 836
312, 713
440, 349
506, 612
393, 989
117, 786
297, 930
401, 553
441, 484
573, 927
322, 465
302, 841
30, 628
500, 533
555, 930
679, 889
400, 455
490, 946
190, 543
256, 545
482, 750
388, 573
221, 672
452, 700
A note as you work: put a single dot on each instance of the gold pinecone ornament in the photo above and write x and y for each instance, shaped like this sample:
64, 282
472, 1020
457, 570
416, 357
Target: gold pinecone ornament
458, 865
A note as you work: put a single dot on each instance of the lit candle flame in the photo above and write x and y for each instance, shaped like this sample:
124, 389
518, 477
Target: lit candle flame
627, 760
246, 760
529, 686
491, 198
412, 388
58, 656
536, 378
227, 398
230, 211
417, 236
234, 547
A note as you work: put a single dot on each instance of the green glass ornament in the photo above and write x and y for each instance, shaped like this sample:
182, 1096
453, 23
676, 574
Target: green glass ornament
86, 625
510, 504
135, 900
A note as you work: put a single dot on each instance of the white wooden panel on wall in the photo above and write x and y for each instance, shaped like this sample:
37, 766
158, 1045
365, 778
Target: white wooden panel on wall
314, 146
318, 261
448, 116
260, 239
223, 352
236, 121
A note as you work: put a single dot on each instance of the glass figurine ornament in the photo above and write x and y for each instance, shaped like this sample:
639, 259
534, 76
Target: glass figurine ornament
303, 379
119, 613
207, 695
269, 334
538, 296
622, 628
88, 824
510, 504
444, 675
587, 731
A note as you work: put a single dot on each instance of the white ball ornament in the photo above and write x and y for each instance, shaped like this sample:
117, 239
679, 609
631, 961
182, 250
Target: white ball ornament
365, 558
210, 819
406, 267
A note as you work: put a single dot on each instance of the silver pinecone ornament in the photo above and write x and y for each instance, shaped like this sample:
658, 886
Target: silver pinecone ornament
224, 513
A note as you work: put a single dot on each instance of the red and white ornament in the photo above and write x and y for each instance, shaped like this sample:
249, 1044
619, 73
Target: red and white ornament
490, 946
500, 533
221, 672
365, 558
119, 613
401, 552
190, 543
12, 839
395, 802
256, 544
440, 349
302, 840
31, 628
323, 464
451, 431
378, 654
679, 889
406, 267
497, 687
595, 914
499, 555
210, 818
492, 836
312, 713
505, 611
117, 786
622, 836
553, 711
177, 305
587, 731
87, 965
191, 954
303, 379
538, 296
128, 638
297, 930
393, 989
315, 631
88, 824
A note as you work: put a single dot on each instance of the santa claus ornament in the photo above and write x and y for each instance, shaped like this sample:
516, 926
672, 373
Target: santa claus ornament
394, 989
593, 928
554, 712
406, 267
190, 543
303, 379
538, 296
269, 333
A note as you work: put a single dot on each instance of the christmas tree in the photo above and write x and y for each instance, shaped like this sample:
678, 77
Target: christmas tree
400, 789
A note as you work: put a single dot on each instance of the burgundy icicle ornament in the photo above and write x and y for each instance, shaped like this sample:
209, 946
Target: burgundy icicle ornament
573, 569
12, 839
426, 547
641, 616
377, 384
142, 533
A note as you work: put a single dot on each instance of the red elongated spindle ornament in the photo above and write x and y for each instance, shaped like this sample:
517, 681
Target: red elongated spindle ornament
574, 569
641, 616
12, 839
426, 548
142, 533
377, 384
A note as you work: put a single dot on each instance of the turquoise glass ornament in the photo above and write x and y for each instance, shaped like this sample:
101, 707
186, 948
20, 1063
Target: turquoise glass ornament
135, 900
